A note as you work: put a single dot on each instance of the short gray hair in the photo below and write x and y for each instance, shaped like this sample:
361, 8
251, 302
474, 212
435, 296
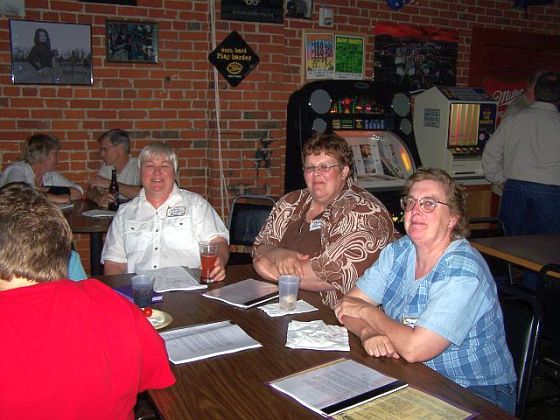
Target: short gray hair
158, 148
38, 147
117, 136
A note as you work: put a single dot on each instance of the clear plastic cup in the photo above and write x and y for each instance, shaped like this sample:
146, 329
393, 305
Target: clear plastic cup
288, 287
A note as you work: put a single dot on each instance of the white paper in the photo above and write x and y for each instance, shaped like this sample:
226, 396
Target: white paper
274, 310
207, 340
316, 335
244, 294
65, 206
335, 383
99, 213
169, 279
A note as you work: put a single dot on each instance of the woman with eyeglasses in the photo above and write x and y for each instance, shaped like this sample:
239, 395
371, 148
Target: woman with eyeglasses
328, 233
430, 297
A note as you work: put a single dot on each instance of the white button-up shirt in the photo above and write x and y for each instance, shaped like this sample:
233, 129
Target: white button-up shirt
147, 238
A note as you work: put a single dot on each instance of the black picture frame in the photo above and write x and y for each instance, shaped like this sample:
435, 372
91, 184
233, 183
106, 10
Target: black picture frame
131, 41
47, 53
301, 9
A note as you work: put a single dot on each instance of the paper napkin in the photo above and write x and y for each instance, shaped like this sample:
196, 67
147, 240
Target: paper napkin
316, 335
273, 309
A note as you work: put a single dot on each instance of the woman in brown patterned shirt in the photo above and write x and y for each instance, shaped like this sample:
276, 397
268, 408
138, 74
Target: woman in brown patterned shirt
328, 233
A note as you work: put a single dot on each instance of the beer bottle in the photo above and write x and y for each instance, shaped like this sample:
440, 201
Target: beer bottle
114, 190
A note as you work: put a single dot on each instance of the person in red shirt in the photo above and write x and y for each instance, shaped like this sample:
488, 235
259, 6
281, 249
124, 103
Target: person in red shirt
69, 349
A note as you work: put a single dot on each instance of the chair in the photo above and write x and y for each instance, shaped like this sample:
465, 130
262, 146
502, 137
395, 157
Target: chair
486, 227
548, 292
145, 409
248, 214
522, 322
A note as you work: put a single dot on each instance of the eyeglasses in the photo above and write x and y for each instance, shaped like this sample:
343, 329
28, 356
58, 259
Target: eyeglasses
427, 204
310, 169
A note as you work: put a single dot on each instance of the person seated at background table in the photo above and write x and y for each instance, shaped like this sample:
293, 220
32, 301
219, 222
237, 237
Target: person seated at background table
162, 226
76, 270
431, 298
38, 169
114, 148
328, 233
70, 349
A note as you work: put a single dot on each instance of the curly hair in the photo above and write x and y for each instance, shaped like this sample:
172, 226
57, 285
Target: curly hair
330, 144
455, 196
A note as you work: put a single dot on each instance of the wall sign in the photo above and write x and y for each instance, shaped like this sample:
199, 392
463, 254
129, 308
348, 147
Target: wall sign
234, 59
253, 10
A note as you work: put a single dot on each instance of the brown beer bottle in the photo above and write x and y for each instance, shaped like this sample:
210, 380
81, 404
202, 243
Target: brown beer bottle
114, 190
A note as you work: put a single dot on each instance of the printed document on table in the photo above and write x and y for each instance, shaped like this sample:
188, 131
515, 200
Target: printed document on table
408, 404
170, 279
206, 340
337, 386
99, 213
244, 294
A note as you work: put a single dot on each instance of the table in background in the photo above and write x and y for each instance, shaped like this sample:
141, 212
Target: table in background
235, 386
96, 227
530, 251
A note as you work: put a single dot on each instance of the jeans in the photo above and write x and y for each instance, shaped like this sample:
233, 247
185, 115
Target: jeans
529, 208
504, 395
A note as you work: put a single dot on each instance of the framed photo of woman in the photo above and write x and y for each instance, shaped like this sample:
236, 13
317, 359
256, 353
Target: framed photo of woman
50, 53
132, 42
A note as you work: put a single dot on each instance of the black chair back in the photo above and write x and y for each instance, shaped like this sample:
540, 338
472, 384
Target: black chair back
549, 295
248, 215
522, 322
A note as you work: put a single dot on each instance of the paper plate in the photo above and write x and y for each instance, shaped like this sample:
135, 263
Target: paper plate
160, 319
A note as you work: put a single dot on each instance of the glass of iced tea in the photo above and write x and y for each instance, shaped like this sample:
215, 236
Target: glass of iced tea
208, 256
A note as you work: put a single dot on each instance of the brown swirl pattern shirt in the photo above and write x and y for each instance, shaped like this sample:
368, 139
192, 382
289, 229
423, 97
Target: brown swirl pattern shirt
342, 241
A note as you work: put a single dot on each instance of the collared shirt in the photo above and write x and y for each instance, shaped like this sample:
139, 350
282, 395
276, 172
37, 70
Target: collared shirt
22, 172
342, 242
146, 238
457, 300
525, 147
130, 175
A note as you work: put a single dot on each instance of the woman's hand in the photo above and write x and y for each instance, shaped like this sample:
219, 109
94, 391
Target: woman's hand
288, 262
351, 306
378, 346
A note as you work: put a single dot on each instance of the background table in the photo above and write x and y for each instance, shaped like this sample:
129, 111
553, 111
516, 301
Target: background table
531, 251
235, 386
96, 227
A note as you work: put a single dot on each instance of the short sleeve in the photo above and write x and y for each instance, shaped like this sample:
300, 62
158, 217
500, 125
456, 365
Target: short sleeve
113, 249
375, 279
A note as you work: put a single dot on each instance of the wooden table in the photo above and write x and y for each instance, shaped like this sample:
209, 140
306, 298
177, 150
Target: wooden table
235, 386
531, 251
96, 227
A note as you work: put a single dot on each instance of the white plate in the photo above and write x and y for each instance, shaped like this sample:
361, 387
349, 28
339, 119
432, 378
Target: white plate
160, 319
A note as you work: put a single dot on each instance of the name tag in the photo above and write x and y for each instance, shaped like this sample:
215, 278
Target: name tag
176, 211
409, 322
315, 224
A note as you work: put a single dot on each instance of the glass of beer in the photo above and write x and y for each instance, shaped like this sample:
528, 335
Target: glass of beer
208, 256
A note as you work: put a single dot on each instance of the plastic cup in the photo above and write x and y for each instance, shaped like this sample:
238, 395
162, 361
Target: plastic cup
142, 290
208, 256
288, 287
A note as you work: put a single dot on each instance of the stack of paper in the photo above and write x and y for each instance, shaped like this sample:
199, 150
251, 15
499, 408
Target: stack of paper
207, 340
170, 279
245, 294
99, 213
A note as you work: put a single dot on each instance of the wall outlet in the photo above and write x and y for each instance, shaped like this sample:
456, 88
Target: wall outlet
325, 17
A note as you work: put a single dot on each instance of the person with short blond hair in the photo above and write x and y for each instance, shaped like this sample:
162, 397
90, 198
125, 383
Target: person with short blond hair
71, 349
38, 169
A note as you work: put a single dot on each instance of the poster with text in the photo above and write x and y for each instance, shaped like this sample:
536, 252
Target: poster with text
349, 57
415, 58
319, 56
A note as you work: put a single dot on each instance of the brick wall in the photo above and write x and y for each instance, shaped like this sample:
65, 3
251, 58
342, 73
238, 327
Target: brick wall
173, 100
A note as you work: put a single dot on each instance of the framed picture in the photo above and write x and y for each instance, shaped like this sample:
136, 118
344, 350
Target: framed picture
302, 9
132, 42
50, 53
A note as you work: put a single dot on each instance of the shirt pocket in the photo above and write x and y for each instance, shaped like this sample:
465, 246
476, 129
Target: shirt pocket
137, 236
178, 233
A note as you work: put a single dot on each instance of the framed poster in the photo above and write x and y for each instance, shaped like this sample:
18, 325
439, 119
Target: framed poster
302, 9
131, 42
333, 56
50, 53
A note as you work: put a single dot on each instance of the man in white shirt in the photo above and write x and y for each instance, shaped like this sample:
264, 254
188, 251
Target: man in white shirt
162, 226
114, 147
524, 153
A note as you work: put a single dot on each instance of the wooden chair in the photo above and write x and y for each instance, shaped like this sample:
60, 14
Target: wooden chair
248, 214
523, 322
